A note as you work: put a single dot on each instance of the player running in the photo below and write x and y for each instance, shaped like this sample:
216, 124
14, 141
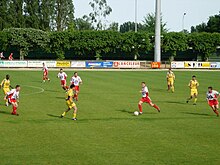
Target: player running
76, 80
145, 98
6, 85
193, 85
69, 102
62, 76
212, 98
170, 80
45, 73
13, 99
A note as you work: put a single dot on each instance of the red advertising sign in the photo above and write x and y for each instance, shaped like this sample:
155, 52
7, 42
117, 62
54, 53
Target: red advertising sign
126, 64
155, 65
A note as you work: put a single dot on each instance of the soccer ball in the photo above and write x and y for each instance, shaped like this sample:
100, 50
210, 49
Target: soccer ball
136, 113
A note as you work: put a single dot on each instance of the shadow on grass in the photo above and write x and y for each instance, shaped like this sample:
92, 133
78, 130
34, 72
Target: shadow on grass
176, 102
5, 112
198, 114
60, 98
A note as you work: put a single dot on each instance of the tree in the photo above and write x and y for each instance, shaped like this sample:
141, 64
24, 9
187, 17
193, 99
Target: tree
130, 26
114, 26
63, 14
149, 24
174, 42
212, 26
15, 14
31, 12
26, 40
100, 10
46, 14
83, 23
204, 44
3, 14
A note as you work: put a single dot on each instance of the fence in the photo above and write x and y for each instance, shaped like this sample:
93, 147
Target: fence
110, 64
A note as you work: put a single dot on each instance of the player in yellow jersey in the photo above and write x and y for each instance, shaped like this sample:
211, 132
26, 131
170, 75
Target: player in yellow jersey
69, 102
193, 85
170, 80
6, 85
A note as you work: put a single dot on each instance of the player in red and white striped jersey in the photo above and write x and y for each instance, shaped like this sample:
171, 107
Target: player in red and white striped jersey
62, 76
76, 80
45, 73
13, 99
212, 98
145, 98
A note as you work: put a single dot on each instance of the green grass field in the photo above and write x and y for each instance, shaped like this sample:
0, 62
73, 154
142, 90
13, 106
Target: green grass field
106, 131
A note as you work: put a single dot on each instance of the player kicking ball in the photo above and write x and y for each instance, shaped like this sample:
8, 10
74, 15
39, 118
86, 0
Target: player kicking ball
13, 99
145, 98
193, 85
69, 102
62, 76
212, 98
170, 80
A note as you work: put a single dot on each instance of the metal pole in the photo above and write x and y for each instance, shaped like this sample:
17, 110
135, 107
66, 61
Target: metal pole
183, 22
136, 16
157, 49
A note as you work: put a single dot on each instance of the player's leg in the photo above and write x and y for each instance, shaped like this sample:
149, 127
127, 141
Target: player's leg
154, 105
168, 85
14, 108
64, 113
140, 106
216, 110
172, 86
195, 99
5, 99
191, 96
74, 112
77, 93
44, 77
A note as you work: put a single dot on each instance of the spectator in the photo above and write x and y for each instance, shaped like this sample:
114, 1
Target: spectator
10, 58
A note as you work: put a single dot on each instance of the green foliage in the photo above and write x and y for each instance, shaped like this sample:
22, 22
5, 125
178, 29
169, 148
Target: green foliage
174, 42
149, 24
212, 26
26, 40
100, 10
95, 44
83, 23
204, 43
130, 26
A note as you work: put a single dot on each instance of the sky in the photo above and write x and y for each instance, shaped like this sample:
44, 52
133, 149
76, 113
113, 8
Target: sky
197, 11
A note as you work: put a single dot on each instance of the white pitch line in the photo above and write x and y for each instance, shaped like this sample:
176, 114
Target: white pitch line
38, 92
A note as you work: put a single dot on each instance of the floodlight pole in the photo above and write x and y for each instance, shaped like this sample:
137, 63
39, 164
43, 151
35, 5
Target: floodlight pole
183, 22
136, 16
157, 49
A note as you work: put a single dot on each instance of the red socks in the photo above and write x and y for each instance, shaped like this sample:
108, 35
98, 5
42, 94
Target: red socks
140, 107
14, 112
155, 106
216, 112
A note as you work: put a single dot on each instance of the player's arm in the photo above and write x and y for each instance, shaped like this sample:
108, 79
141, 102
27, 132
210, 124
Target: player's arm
189, 85
174, 77
2, 83
80, 81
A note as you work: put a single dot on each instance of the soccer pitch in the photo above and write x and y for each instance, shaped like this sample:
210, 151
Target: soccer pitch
107, 132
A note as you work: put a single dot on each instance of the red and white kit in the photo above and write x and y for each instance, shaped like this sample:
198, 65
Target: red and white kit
62, 76
145, 95
212, 97
45, 70
13, 96
76, 81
